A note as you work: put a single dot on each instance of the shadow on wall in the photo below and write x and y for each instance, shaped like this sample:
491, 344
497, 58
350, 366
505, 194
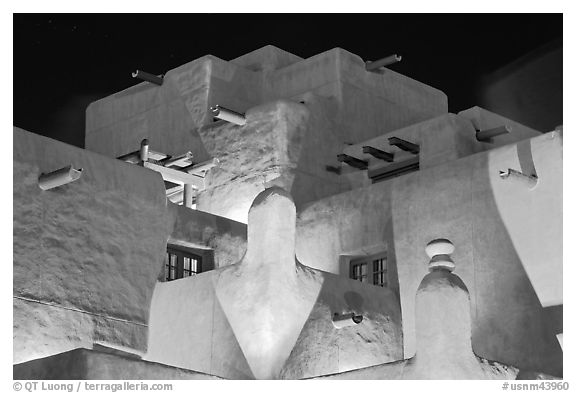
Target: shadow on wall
289, 333
458, 201
511, 318
529, 202
323, 349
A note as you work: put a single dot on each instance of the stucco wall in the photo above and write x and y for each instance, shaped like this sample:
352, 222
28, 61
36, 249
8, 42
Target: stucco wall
169, 115
300, 113
87, 254
284, 143
268, 316
441, 139
494, 226
188, 329
483, 119
199, 230
86, 364
370, 103
322, 349
204, 335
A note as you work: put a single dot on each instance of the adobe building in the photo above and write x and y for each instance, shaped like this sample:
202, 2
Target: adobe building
273, 217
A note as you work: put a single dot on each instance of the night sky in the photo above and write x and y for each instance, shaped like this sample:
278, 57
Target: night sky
63, 62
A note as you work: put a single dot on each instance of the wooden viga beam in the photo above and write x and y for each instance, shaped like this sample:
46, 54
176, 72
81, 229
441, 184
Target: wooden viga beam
352, 161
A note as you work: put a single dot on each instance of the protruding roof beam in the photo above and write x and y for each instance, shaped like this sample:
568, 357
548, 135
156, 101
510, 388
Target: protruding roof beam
377, 65
352, 161
404, 145
487, 135
180, 161
176, 176
377, 153
516, 176
228, 115
60, 177
200, 169
157, 80
134, 157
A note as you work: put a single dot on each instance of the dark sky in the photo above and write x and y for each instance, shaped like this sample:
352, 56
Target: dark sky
63, 62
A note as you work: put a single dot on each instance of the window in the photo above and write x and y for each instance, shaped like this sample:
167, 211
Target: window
359, 271
180, 264
372, 269
379, 272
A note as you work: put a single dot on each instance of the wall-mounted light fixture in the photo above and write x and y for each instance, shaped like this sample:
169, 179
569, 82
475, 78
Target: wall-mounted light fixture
60, 177
343, 320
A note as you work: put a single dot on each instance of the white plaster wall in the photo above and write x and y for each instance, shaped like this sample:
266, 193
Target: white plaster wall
188, 329
292, 143
483, 119
225, 238
87, 254
283, 143
84, 364
169, 115
458, 201
533, 217
442, 139
268, 316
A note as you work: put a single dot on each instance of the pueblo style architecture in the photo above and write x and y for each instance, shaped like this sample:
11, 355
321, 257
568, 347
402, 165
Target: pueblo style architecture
274, 217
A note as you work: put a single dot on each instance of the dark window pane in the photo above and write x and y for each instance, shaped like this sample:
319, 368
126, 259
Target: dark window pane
359, 271
181, 264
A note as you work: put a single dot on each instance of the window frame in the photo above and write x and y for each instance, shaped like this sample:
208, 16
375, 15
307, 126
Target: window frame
371, 271
179, 268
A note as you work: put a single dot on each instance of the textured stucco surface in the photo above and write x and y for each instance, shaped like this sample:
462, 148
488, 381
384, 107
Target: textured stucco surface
85, 364
441, 139
300, 114
443, 330
483, 119
87, 255
284, 143
492, 228
194, 334
199, 230
458, 202
535, 214
268, 316
169, 115
444, 349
